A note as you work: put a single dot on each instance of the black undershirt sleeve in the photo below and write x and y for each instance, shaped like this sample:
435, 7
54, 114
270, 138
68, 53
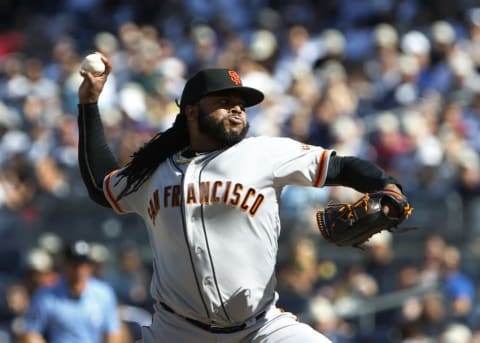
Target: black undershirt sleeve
95, 158
361, 175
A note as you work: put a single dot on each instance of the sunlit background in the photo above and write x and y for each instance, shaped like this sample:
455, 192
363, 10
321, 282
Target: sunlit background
393, 81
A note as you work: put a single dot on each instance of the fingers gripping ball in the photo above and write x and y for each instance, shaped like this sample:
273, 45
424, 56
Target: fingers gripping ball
353, 224
93, 63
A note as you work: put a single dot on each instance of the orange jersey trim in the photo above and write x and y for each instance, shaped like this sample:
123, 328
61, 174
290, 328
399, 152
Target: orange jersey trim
110, 196
321, 168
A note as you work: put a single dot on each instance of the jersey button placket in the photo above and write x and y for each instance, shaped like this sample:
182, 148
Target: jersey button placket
197, 239
194, 234
208, 281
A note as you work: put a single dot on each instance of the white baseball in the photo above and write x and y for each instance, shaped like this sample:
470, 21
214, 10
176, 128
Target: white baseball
93, 63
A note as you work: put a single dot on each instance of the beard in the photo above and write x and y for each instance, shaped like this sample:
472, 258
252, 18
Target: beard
216, 130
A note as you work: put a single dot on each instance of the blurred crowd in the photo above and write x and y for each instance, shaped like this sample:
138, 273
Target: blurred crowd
394, 81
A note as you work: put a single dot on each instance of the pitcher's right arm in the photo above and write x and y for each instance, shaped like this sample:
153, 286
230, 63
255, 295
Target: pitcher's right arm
95, 157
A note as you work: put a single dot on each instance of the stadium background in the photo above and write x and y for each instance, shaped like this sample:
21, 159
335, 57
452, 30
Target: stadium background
394, 81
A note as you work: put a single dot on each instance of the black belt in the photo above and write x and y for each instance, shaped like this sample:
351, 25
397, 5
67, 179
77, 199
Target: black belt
209, 327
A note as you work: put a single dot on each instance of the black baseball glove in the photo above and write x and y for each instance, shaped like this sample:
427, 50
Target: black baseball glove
353, 224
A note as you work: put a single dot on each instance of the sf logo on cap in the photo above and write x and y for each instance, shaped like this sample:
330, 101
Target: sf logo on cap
234, 77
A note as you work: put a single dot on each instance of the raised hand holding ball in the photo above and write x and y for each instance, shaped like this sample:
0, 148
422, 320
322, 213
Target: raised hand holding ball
94, 69
93, 63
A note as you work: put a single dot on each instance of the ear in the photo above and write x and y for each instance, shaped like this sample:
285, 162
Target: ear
191, 112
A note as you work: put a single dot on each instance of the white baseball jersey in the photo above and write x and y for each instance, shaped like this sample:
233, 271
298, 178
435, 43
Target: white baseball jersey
213, 222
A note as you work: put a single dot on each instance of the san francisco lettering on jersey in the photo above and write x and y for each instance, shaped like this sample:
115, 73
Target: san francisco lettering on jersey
237, 195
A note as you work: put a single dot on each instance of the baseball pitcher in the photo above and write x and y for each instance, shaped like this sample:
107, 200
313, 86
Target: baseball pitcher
209, 197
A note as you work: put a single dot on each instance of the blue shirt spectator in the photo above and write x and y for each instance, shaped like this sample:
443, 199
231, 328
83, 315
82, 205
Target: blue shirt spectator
78, 308
458, 286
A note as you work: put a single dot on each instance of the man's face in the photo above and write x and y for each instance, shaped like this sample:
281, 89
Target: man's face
77, 271
223, 118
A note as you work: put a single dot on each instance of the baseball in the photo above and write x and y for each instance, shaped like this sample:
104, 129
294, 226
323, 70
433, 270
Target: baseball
93, 63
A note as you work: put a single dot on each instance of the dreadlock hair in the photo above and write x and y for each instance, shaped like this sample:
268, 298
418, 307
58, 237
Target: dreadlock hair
147, 158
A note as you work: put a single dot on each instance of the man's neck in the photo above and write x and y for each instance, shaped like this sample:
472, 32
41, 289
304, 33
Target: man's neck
205, 146
77, 289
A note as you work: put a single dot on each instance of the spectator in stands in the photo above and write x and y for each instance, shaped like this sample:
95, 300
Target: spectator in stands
458, 287
12, 308
297, 277
432, 260
412, 332
434, 317
40, 270
383, 267
324, 319
78, 308
132, 277
456, 333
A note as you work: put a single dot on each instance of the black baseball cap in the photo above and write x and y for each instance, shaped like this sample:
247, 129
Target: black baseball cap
217, 80
77, 251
